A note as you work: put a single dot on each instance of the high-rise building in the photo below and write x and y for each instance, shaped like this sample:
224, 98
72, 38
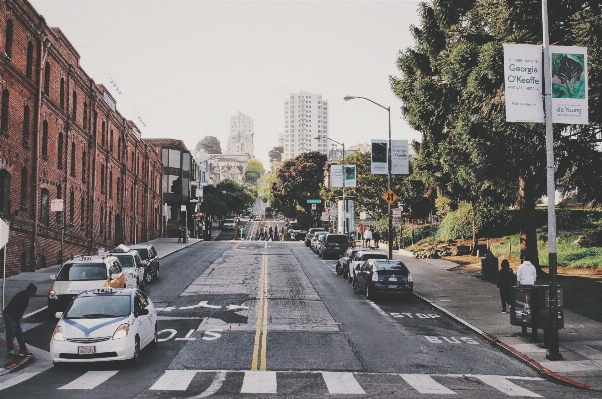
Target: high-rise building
305, 117
240, 140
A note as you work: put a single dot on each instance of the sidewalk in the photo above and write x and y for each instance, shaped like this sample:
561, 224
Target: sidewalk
475, 303
41, 278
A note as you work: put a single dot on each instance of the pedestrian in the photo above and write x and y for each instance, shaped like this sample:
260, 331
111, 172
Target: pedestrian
282, 234
376, 238
261, 232
12, 313
237, 232
367, 237
505, 281
242, 232
360, 231
271, 234
276, 234
526, 273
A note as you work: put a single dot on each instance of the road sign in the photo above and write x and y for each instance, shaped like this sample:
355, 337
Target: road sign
397, 221
4, 231
363, 215
325, 216
199, 192
314, 206
396, 212
314, 201
56, 205
390, 197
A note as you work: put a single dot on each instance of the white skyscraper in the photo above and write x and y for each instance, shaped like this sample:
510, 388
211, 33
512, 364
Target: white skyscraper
240, 140
305, 117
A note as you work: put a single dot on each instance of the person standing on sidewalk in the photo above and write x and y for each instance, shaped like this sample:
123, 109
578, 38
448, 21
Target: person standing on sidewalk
526, 273
12, 313
376, 238
367, 237
505, 281
360, 231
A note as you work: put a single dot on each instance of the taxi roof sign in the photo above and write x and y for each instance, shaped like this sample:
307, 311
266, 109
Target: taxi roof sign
121, 248
105, 290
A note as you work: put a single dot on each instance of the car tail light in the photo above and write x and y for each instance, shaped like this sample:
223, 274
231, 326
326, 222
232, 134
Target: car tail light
375, 276
410, 277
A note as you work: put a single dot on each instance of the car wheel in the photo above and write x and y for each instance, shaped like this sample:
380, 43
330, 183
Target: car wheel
136, 358
345, 273
148, 277
356, 288
155, 340
349, 277
338, 268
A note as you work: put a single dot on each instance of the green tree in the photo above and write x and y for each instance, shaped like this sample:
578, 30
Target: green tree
265, 190
275, 154
210, 144
254, 170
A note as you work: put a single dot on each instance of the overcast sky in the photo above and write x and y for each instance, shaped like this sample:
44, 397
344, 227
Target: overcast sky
186, 67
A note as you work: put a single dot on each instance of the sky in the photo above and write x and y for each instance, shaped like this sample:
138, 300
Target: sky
184, 68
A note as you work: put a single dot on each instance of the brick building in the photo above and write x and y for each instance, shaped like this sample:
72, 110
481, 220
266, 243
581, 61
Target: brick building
61, 137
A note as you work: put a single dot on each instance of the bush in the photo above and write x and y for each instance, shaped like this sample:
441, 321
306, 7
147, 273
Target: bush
457, 223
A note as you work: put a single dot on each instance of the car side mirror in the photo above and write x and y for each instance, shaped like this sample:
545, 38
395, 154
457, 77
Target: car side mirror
142, 312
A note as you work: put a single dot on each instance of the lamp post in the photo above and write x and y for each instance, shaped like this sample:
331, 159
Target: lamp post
390, 234
344, 202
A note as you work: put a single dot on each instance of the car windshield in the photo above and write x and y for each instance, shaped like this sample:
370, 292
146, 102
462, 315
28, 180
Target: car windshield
143, 252
339, 238
294, 227
229, 221
82, 272
391, 266
127, 261
89, 307
374, 256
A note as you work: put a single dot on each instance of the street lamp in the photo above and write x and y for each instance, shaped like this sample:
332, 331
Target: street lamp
347, 98
344, 202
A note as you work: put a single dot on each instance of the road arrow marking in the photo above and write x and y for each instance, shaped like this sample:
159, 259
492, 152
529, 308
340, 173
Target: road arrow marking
202, 304
232, 307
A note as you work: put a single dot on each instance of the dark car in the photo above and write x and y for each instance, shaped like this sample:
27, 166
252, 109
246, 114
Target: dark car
383, 277
334, 244
310, 234
150, 259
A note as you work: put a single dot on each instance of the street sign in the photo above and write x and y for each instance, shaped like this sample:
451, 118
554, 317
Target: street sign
199, 192
314, 201
56, 205
396, 212
182, 208
4, 231
363, 215
314, 206
390, 197
397, 221
325, 216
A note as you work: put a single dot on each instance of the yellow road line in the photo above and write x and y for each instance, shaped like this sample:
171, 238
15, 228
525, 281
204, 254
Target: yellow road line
262, 320
237, 245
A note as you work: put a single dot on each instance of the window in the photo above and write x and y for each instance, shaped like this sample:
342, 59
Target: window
102, 220
111, 141
26, 126
45, 207
85, 121
102, 178
4, 191
59, 162
62, 94
23, 201
8, 49
84, 166
119, 148
118, 189
71, 207
103, 138
73, 159
82, 215
47, 78
4, 114
111, 184
94, 125
74, 112
29, 65
45, 139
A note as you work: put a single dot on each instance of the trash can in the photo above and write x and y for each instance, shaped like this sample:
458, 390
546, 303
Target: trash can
489, 267
542, 297
182, 234
522, 306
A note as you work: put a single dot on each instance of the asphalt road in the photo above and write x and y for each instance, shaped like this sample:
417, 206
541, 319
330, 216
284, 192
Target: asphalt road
253, 319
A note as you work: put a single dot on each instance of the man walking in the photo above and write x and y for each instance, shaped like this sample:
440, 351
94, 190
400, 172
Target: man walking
376, 238
505, 281
526, 273
12, 313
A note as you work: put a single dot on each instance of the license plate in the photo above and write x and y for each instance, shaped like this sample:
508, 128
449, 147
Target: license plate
85, 350
392, 278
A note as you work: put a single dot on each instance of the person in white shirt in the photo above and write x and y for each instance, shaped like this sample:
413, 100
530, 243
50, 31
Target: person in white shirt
367, 237
526, 273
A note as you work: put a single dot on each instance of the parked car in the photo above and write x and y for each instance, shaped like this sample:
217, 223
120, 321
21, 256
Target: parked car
344, 260
383, 277
81, 274
359, 258
104, 325
132, 265
334, 244
149, 257
317, 244
315, 241
310, 234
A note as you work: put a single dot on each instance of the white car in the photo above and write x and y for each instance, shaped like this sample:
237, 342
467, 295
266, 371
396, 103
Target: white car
229, 224
132, 266
104, 325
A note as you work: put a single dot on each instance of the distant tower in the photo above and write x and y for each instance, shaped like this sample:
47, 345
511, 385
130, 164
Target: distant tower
305, 117
240, 140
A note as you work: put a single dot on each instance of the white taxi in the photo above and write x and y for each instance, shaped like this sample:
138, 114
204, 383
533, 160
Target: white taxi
81, 274
104, 325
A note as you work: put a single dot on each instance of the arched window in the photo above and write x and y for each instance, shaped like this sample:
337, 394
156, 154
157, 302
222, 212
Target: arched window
47, 78
82, 215
84, 166
26, 126
59, 154
62, 94
29, 65
73, 159
23, 200
102, 178
71, 207
74, 112
45, 207
4, 115
45, 139
4, 191
8, 49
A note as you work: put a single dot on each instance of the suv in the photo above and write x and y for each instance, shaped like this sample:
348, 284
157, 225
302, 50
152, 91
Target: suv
229, 224
359, 258
150, 259
81, 274
132, 266
310, 234
334, 244
295, 232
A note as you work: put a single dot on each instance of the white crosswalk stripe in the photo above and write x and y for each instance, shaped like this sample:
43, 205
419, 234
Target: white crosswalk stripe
503, 385
174, 380
342, 383
90, 380
259, 382
424, 383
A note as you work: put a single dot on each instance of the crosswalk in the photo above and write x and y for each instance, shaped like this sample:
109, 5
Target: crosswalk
320, 382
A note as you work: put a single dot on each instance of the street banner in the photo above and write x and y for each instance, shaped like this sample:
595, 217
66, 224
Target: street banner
569, 84
378, 157
523, 80
336, 176
399, 157
350, 176
4, 231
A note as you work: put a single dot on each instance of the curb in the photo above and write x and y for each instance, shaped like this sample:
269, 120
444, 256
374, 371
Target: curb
179, 249
548, 374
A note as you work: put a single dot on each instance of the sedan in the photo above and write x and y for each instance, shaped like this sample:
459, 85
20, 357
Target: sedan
383, 277
315, 240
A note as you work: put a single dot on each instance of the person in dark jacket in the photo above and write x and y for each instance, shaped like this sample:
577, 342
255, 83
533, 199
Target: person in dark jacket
505, 281
376, 238
12, 313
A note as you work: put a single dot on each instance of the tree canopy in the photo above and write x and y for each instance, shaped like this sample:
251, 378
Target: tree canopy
275, 154
210, 144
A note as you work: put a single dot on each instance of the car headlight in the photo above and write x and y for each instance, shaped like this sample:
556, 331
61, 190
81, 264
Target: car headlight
58, 335
122, 331
52, 295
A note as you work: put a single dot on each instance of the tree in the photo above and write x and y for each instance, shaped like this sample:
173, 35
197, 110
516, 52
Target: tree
452, 91
254, 170
275, 154
210, 144
265, 190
